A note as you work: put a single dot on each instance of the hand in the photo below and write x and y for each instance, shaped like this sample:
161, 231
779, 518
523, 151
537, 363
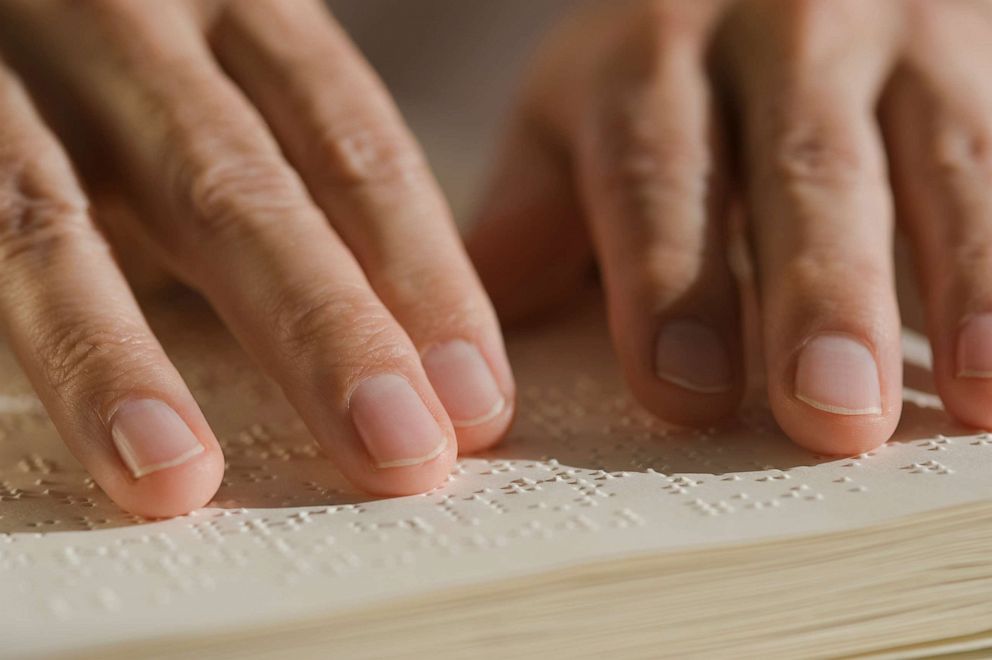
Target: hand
272, 173
644, 125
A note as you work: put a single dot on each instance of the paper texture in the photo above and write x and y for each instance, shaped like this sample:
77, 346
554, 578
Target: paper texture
585, 475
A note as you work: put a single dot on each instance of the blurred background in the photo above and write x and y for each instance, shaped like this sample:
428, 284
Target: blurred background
453, 67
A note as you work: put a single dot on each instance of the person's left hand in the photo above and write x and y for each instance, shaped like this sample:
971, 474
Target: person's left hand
270, 171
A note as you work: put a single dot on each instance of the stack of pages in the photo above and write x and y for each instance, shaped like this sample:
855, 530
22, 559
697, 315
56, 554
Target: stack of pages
593, 530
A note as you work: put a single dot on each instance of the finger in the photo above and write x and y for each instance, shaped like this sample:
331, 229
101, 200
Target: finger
822, 220
340, 129
937, 114
231, 218
118, 403
655, 189
530, 244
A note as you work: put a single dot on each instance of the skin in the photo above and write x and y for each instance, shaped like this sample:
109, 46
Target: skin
268, 169
647, 128
261, 163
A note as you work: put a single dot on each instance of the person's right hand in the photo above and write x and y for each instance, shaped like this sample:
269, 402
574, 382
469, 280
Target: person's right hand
646, 123
273, 174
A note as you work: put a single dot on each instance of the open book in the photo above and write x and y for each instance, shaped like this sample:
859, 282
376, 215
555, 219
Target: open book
593, 529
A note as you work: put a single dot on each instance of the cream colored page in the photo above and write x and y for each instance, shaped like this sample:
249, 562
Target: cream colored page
584, 476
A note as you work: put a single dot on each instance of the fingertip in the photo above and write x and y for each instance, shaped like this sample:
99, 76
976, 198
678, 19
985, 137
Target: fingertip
696, 377
831, 429
488, 433
174, 491
403, 442
963, 371
677, 404
687, 373
168, 461
832, 434
402, 480
967, 398
841, 396
474, 383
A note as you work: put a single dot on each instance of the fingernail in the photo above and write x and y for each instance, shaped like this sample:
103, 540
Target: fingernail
975, 347
397, 428
838, 374
692, 356
464, 383
150, 436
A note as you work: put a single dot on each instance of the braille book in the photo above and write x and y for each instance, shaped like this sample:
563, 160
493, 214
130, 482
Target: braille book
593, 530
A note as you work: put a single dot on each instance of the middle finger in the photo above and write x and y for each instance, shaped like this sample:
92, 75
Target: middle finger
821, 216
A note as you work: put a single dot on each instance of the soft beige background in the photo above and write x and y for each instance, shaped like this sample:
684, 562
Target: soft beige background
453, 66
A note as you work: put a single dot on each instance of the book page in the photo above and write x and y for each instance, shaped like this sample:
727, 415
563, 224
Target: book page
585, 475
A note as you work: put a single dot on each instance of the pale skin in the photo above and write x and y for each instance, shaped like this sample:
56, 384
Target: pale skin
264, 165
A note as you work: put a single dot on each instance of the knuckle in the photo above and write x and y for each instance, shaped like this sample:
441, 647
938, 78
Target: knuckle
816, 153
236, 196
670, 263
452, 306
361, 155
221, 181
92, 359
644, 166
970, 258
663, 273
822, 273
38, 219
359, 332
964, 154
